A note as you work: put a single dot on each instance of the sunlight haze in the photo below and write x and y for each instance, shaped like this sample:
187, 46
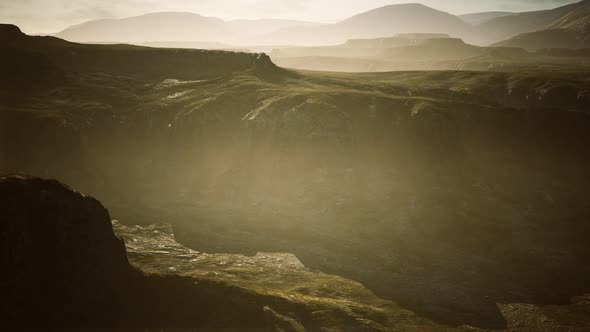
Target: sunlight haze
45, 16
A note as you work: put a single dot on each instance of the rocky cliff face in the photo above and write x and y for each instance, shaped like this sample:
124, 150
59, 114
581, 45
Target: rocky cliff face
60, 257
63, 266
10, 32
132, 61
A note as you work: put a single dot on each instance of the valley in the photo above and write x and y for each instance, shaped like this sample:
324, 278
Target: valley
454, 199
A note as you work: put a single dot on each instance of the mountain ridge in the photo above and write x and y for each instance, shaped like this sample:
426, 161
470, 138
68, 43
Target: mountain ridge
509, 26
135, 60
480, 29
193, 27
382, 22
569, 27
378, 22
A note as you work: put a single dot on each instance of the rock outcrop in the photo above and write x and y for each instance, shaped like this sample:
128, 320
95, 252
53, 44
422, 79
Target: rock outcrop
60, 257
10, 32
128, 60
63, 267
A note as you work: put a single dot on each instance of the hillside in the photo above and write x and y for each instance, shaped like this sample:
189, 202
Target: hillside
420, 52
479, 18
506, 27
455, 197
358, 48
129, 60
548, 39
571, 30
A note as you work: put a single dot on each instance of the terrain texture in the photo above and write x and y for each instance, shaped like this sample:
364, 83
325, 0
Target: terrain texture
453, 199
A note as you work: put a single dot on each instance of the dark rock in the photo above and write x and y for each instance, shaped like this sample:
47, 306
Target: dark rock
63, 266
263, 61
57, 249
9, 32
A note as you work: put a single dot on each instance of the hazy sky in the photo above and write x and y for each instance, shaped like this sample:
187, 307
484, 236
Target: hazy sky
45, 16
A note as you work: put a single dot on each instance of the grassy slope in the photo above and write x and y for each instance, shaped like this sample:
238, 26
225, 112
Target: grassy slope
316, 299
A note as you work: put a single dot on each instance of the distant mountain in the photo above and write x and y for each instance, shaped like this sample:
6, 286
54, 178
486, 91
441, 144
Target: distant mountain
191, 30
436, 49
149, 27
570, 30
381, 22
358, 48
404, 52
174, 27
505, 27
479, 18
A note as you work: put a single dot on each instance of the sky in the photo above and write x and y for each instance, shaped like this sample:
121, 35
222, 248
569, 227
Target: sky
48, 16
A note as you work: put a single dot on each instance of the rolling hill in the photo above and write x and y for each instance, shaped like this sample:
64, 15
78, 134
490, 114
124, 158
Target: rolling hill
174, 27
548, 39
193, 30
187, 27
570, 30
380, 22
506, 27
421, 52
179, 26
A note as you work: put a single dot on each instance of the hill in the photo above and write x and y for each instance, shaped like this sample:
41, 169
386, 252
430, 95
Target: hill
126, 59
505, 27
174, 27
179, 26
548, 39
192, 30
570, 30
189, 27
420, 52
380, 22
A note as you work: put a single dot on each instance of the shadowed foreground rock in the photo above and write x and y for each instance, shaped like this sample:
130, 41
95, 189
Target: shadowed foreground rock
64, 267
